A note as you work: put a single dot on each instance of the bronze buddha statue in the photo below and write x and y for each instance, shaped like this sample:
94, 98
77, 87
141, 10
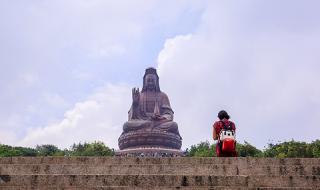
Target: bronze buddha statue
150, 118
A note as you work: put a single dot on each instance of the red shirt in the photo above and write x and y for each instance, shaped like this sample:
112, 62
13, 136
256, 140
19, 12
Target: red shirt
218, 126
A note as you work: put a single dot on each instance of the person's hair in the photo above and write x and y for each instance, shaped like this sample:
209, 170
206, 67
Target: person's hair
223, 115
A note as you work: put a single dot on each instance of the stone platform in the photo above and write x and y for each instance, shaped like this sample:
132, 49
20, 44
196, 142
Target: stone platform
149, 138
149, 152
86, 173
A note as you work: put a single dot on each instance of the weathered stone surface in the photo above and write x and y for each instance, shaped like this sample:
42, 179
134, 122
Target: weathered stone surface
177, 160
152, 188
125, 180
161, 181
158, 173
185, 169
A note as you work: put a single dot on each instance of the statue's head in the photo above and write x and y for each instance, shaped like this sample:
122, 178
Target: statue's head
151, 80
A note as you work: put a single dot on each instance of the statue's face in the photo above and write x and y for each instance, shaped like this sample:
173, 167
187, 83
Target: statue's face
151, 81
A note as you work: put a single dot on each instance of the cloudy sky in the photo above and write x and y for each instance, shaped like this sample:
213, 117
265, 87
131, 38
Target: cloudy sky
67, 67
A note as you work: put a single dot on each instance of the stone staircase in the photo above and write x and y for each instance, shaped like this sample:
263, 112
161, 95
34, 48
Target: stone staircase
119, 173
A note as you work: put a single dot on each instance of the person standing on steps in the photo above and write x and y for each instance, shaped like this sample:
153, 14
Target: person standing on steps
224, 132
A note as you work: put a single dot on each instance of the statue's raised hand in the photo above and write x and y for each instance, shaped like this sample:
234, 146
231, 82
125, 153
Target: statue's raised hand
135, 96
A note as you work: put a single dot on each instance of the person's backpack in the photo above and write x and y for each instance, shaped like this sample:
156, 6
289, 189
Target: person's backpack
227, 138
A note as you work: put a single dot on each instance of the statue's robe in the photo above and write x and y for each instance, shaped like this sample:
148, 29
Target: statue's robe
151, 103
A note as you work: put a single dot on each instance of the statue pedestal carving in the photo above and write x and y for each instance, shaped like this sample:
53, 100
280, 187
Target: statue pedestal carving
149, 152
136, 139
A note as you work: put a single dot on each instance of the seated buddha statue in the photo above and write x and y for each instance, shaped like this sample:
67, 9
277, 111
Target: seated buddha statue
150, 110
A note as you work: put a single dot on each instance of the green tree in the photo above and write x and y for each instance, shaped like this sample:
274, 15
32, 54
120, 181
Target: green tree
314, 149
48, 150
7, 151
203, 149
289, 149
96, 148
247, 149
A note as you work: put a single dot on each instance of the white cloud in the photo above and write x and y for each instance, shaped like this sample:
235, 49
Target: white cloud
55, 100
81, 75
29, 79
8, 137
114, 50
100, 117
258, 60
54, 53
266, 79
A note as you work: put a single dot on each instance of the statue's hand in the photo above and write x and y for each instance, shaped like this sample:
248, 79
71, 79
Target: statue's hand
135, 96
158, 117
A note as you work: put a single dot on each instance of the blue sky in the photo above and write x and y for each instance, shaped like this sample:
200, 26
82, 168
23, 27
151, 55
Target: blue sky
68, 67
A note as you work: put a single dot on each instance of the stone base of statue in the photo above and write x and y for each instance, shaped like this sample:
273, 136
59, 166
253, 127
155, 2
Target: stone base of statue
150, 152
138, 139
149, 144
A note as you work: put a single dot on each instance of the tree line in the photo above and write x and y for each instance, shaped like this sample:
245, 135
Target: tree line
289, 149
203, 149
96, 148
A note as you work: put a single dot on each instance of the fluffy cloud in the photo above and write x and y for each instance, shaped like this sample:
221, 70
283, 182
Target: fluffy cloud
54, 54
258, 60
261, 68
99, 117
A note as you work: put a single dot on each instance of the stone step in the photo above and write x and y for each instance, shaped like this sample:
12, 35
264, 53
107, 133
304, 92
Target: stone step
175, 160
154, 181
150, 188
200, 169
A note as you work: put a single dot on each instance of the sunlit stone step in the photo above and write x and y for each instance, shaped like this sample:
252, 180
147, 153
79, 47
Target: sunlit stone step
176, 160
158, 173
199, 169
159, 181
150, 188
